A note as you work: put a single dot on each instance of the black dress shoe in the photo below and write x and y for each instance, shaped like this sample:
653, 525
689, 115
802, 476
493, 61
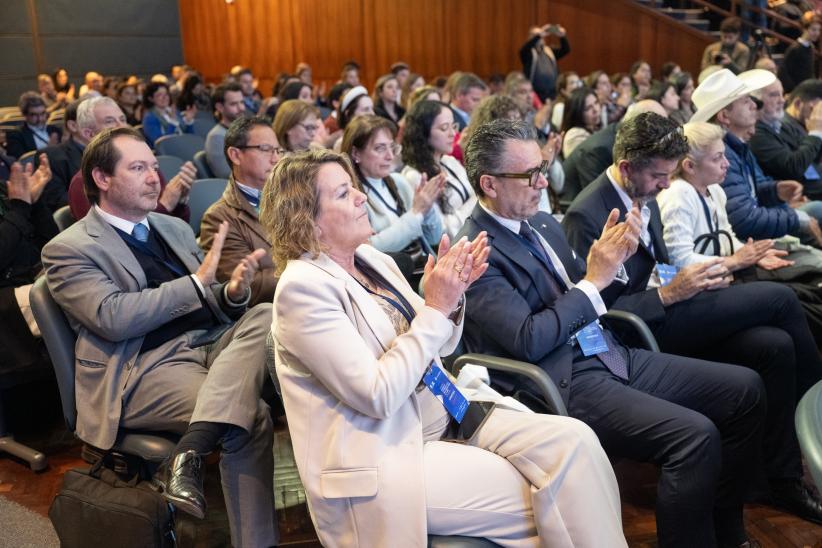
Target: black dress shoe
794, 496
184, 487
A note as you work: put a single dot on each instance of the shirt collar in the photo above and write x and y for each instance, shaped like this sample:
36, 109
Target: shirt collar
117, 222
510, 224
621, 191
465, 116
255, 192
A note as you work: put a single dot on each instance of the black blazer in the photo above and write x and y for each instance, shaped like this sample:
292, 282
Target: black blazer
588, 161
583, 224
64, 161
788, 154
512, 311
21, 141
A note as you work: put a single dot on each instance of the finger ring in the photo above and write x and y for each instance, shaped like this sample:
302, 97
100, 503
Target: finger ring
458, 268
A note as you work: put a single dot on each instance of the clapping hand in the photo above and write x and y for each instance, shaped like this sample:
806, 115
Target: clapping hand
458, 266
241, 276
27, 184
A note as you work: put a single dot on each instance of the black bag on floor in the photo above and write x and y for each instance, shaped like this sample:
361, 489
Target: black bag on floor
96, 508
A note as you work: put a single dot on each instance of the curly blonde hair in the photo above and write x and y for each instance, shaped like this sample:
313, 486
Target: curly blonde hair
290, 203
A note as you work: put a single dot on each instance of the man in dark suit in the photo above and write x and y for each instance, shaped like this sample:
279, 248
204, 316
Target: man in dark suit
64, 160
161, 345
34, 134
595, 154
693, 312
788, 143
537, 302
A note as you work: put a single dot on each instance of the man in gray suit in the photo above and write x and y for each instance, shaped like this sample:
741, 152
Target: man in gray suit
160, 344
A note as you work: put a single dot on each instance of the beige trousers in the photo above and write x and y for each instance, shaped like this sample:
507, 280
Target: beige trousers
525, 480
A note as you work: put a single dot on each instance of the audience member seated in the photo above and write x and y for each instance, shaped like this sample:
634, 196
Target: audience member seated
694, 312
98, 113
64, 161
427, 142
350, 73
296, 124
581, 118
53, 99
729, 52
466, 93
365, 414
245, 78
664, 93
404, 219
194, 94
641, 79
331, 122
160, 344
593, 156
160, 117
129, 103
252, 149
93, 84
25, 227
386, 98
697, 228
62, 84
788, 143
228, 102
412, 83
34, 134
613, 105
758, 206
568, 82
539, 60
531, 304
684, 87
799, 61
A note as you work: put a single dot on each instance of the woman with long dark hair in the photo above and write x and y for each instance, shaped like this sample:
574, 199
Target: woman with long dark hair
580, 119
427, 142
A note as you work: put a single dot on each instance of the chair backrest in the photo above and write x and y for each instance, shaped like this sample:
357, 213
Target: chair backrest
204, 192
63, 218
202, 126
169, 165
808, 420
203, 169
60, 340
183, 146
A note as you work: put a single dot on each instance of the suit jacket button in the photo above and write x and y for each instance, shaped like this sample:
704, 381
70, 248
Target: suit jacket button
563, 383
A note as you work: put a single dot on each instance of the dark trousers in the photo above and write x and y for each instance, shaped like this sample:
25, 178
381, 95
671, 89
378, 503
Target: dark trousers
760, 325
698, 420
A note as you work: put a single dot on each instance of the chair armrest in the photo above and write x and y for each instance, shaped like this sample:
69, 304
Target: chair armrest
639, 325
808, 420
540, 378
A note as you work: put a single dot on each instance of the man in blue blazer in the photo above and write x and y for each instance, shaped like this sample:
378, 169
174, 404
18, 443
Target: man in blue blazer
694, 312
538, 303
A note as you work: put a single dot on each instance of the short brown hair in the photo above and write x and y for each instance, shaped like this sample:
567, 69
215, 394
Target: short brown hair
731, 25
810, 18
101, 153
29, 100
289, 114
290, 203
362, 129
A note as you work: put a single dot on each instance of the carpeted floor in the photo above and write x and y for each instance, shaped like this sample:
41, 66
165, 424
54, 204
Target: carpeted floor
23, 528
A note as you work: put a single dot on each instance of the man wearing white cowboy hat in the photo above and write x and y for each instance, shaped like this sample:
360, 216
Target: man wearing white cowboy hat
757, 205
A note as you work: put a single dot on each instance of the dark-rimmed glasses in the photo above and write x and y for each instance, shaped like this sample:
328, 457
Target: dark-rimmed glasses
532, 174
265, 149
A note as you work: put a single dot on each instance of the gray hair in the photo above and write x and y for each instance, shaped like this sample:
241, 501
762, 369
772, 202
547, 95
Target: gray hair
486, 147
85, 112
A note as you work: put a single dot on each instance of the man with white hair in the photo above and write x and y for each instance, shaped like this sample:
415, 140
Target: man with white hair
758, 206
98, 113
595, 154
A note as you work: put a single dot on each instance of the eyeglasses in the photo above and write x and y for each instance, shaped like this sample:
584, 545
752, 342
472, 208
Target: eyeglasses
532, 174
310, 128
383, 148
266, 149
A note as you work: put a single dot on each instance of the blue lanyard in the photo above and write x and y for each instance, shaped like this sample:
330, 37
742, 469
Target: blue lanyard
397, 210
460, 189
401, 304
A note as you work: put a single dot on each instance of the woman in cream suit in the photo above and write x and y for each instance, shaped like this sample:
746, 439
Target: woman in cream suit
353, 342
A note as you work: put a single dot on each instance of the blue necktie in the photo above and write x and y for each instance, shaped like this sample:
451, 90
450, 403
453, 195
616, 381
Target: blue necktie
140, 232
529, 236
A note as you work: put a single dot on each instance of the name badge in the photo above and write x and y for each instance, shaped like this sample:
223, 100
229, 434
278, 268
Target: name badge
445, 391
811, 174
591, 340
666, 273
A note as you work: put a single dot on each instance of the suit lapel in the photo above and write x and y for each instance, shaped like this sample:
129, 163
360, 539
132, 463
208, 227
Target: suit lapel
611, 200
504, 241
102, 232
246, 213
176, 241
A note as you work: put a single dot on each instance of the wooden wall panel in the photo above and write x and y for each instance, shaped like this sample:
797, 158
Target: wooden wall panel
434, 36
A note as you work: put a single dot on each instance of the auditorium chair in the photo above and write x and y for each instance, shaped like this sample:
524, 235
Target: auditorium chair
204, 192
202, 126
183, 146
151, 447
63, 218
8, 380
169, 165
808, 421
203, 169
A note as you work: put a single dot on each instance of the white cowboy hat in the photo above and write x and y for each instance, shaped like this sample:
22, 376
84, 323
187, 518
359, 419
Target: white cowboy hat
723, 87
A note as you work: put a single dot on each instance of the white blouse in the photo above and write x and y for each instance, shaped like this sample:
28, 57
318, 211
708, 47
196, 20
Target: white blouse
684, 220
